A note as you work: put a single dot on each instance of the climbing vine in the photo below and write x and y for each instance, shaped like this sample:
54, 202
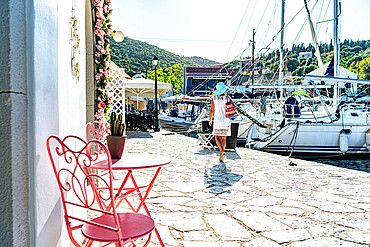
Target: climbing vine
103, 29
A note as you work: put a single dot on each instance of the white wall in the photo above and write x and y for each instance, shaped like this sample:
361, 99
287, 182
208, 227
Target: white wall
58, 108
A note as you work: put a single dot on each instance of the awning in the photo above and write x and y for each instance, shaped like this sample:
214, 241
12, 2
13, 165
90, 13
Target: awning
145, 88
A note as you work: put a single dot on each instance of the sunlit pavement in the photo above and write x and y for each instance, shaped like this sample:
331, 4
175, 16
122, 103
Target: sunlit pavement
253, 198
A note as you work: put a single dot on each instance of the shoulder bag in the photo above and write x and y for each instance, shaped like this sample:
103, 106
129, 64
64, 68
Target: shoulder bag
230, 109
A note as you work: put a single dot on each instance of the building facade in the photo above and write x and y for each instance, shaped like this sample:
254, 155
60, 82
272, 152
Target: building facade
203, 80
47, 88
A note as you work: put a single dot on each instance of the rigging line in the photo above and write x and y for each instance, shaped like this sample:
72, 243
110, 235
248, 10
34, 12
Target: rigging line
324, 16
263, 14
206, 81
237, 30
269, 23
285, 26
184, 40
249, 45
223, 67
319, 10
249, 22
262, 18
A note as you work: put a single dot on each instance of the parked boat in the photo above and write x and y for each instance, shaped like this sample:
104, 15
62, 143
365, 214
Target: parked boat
182, 115
310, 128
345, 132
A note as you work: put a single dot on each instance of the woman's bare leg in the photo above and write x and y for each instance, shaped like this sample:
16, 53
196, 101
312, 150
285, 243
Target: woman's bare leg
219, 144
223, 140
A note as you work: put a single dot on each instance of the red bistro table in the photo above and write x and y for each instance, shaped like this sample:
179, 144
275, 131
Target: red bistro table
131, 162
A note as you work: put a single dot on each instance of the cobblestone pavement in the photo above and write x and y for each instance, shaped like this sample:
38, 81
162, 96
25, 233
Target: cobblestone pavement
253, 198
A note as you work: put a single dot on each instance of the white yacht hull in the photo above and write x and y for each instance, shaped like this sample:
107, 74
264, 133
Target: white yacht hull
316, 138
347, 135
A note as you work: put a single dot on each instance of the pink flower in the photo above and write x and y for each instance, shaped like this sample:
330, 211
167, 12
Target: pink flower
97, 77
98, 47
99, 32
105, 8
106, 73
106, 63
97, 2
100, 15
101, 105
97, 54
103, 51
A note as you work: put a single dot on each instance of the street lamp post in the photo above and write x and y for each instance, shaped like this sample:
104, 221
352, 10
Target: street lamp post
156, 124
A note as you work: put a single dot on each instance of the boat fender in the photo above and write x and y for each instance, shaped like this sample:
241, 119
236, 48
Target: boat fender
343, 140
367, 139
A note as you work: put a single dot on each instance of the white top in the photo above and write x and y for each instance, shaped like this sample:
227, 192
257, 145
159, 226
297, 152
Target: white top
221, 124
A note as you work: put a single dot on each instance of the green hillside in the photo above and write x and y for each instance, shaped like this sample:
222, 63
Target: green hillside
352, 53
201, 62
135, 55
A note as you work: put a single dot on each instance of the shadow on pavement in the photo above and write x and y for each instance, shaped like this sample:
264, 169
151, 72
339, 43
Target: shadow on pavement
359, 162
348, 163
219, 177
138, 134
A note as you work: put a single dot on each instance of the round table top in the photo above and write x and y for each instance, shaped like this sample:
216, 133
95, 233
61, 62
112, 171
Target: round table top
132, 161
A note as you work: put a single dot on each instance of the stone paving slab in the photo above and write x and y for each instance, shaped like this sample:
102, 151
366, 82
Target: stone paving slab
253, 198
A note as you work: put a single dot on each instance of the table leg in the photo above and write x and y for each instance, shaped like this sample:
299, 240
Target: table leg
142, 199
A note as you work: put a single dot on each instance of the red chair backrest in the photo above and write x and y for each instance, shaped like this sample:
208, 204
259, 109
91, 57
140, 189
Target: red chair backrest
70, 159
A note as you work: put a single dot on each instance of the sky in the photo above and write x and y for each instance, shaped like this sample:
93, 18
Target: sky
222, 30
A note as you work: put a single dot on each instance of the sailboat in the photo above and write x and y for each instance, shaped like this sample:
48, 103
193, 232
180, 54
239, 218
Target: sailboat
340, 128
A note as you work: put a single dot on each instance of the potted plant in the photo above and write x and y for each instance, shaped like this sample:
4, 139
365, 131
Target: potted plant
116, 140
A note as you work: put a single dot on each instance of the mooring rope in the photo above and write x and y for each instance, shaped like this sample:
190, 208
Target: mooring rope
294, 137
241, 111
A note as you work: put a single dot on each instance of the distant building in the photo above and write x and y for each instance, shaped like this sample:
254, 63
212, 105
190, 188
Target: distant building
304, 55
203, 80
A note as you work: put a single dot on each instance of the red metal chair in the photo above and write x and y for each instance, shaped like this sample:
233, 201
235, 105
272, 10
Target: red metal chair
70, 159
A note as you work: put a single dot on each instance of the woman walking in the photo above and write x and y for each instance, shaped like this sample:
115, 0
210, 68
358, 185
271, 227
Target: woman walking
221, 124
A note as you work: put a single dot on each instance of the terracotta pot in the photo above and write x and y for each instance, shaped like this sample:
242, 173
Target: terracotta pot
116, 144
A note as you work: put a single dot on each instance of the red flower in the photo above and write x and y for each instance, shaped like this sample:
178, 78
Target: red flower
101, 105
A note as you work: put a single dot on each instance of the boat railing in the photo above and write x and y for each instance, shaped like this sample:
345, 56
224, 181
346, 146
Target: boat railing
295, 112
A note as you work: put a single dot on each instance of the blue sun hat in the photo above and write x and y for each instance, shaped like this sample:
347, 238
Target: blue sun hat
220, 88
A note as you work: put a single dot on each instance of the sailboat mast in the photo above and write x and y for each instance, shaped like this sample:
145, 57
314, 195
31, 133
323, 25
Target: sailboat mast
336, 51
281, 64
253, 42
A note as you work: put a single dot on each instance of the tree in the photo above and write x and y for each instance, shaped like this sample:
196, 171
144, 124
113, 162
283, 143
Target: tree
173, 75
292, 64
363, 68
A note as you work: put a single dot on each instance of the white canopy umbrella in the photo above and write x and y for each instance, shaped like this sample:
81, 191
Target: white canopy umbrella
145, 88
